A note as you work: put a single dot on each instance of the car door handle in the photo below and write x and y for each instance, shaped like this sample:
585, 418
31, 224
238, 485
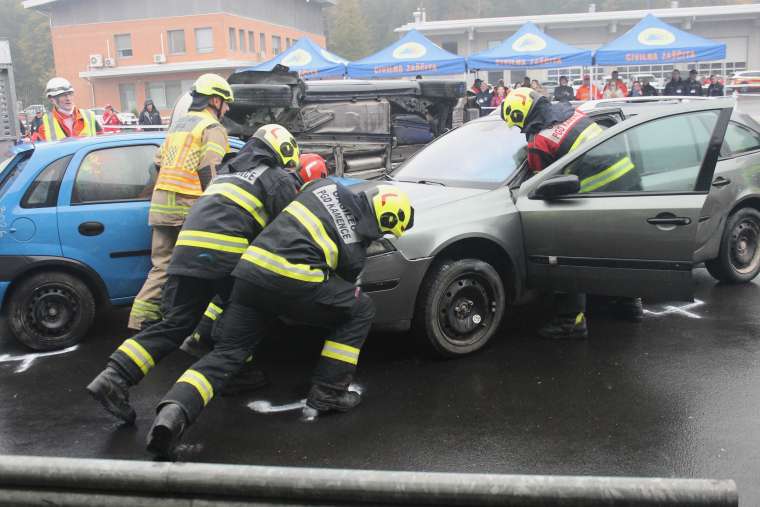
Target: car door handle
671, 220
720, 181
91, 228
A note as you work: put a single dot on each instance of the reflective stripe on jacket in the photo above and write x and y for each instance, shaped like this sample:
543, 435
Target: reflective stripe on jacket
54, 132
552, 143
227, 217
182, 153
325, 230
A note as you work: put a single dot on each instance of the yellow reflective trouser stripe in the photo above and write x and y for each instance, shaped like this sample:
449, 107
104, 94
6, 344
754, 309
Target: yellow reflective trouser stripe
168, 209
589, 132
341, 352
316, 230
245, 200
146, 308
213, 311
138, 355
212, 241
612, 173
216, 148
200, 383
281, 266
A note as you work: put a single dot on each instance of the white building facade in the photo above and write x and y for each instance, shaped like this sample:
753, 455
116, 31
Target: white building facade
738, 26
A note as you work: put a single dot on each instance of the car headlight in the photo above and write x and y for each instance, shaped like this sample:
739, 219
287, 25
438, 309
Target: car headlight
379, 247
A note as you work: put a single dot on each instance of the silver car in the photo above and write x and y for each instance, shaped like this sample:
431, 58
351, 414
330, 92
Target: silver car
487, 229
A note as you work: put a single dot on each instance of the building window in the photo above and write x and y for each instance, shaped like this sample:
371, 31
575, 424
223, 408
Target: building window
233, 39
176, 40
123, 45
251, 46
241, 40
262, 43
204, 40
451, 47
127, 97
165, 93
276, 41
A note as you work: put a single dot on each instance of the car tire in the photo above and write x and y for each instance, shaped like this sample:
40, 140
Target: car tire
50, 310
461, 305
739, 257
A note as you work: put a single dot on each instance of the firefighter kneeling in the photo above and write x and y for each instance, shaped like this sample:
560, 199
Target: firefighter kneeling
303, 266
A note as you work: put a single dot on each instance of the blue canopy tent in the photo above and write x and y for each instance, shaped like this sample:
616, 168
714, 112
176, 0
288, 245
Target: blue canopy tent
653, 41
308, 59
411, 55
530, 48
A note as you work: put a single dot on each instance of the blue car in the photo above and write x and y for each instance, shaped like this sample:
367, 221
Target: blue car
74, 233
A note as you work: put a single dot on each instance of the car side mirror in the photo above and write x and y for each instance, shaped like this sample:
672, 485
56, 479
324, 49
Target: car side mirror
558, 186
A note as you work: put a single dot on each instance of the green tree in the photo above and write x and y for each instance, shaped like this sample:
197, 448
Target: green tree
348, 33
31, 49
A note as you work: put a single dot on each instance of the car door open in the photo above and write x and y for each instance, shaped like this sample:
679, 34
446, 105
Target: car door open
622, 217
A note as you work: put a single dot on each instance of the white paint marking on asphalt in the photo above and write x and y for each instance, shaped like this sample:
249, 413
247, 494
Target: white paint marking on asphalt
308, 414
26, 360
680, 310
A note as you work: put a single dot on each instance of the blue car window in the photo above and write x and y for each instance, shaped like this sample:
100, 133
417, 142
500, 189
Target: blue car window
10, 168
43, 192
125, 173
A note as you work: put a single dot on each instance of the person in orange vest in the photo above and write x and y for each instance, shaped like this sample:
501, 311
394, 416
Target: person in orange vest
194, 147
65, 119
587, 91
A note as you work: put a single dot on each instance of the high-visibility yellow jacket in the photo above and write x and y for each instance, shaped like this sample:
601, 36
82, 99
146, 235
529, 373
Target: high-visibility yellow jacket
85, 125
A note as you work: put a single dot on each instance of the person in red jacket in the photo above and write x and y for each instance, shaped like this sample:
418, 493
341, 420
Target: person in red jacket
620, 84
110, 120
65, 120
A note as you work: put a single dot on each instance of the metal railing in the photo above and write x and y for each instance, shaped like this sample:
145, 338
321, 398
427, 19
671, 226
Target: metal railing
26, 480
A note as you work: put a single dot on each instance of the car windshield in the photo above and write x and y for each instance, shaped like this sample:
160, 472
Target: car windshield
481, 154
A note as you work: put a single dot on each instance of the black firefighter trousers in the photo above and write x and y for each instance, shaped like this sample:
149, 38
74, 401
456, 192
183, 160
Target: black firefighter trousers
183, 303
335, 305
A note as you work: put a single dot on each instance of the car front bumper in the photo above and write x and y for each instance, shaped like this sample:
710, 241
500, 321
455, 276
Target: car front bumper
393, 282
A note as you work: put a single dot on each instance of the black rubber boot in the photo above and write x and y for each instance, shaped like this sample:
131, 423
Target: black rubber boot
325, 399
565, 328
166, 431
194, 346
629, 309
111, 389
250, 378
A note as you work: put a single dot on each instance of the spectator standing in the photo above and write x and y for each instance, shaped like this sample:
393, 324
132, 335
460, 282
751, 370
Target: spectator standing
716, 87
535, 85
483, 98
476, 86
693, 86
149, 114
676, 86
526, 82
110, 120
647, 89
563, 92
36, 122
636, 90
611, 91
499, 94
65, 120
587, 91
614, 78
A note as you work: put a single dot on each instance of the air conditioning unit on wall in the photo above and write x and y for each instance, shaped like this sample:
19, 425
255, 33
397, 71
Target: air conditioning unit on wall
109, 62
96, 60
159, 58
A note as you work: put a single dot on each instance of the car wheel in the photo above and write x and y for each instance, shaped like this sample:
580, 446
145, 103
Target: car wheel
461, 306
739, 257
51, 310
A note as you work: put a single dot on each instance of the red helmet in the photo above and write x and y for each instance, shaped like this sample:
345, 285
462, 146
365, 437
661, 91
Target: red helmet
313, 167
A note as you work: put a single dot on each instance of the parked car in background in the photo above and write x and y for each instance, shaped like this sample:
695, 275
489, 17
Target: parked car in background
744, 82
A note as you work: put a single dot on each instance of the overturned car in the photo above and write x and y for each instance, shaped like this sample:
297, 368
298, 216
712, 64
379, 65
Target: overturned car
362, 128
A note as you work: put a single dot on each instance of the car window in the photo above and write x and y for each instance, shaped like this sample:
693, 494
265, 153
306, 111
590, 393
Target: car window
480, 153
663, 155
739, 140
115, 174
10, 168
43, 192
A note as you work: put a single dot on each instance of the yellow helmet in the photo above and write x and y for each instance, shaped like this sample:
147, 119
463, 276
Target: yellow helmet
213, 85
517, 106
282, 143
393, 209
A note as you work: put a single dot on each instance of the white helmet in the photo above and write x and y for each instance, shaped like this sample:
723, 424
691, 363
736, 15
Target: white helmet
58, 86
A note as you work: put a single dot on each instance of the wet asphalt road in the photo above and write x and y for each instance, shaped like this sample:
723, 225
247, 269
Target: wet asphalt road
673, 396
